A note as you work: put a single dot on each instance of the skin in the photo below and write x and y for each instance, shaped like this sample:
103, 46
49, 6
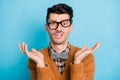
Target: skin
59, 37
59, 42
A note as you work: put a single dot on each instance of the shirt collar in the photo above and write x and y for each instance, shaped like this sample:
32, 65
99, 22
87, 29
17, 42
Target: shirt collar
63, 54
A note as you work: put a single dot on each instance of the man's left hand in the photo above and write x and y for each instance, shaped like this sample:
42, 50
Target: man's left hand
85, 51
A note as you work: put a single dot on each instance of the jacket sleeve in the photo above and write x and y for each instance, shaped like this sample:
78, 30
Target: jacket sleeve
38, 73
84, 70
32, 69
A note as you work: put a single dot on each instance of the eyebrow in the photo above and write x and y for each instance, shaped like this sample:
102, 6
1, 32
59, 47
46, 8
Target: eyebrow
52, 21
57, 21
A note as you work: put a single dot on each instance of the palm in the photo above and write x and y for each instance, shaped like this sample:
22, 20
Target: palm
81, 54
35, 55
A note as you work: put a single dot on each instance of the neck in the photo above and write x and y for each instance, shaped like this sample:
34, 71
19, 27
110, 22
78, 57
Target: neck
59, 47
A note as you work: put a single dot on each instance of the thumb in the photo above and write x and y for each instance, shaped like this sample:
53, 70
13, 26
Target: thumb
34, 50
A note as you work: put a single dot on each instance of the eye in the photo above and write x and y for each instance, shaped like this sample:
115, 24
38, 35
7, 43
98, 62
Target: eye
66, 23
52, 23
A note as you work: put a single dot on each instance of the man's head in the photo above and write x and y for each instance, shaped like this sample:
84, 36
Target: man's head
59, 9
59, 23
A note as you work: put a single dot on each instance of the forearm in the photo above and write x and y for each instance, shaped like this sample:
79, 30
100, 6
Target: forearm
76, 72
38, 72
43, 73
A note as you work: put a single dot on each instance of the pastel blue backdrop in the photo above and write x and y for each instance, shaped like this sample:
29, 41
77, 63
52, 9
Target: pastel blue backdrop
94, 20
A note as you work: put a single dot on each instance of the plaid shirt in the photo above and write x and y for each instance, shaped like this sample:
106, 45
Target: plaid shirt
59, 58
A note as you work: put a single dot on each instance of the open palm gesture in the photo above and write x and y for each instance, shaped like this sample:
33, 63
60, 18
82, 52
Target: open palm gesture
35, 55
85, 51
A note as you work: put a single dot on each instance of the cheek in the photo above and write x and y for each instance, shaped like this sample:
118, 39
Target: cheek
71, 29
50, 32
67, 33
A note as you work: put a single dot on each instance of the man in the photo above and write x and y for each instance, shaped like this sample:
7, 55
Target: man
60, 60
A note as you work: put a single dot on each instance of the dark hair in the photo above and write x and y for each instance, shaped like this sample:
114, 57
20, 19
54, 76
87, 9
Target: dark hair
60, 9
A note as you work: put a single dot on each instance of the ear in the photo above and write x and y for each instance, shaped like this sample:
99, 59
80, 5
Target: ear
46, 27
71, 27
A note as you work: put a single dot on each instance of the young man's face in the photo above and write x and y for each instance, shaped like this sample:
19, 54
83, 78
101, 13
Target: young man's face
60, 34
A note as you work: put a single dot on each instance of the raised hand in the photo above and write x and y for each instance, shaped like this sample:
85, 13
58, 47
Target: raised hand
35, 55
85, 51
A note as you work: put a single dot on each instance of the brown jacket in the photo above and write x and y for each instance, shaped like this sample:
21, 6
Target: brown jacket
82, 71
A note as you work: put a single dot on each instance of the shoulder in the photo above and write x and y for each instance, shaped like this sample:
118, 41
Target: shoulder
89, 58
44, 50
75, 48
31, 64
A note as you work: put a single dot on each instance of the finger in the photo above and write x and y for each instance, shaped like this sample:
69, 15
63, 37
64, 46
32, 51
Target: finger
33, 50
20, 47
26, 49
82, 50
95, 47
23, 46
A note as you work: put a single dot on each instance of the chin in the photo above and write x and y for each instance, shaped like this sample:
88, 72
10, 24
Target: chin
58, 42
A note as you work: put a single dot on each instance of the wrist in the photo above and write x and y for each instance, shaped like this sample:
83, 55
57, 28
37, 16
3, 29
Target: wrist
40, 65
77, 61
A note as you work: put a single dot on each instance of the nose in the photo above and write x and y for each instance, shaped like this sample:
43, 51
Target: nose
59, 27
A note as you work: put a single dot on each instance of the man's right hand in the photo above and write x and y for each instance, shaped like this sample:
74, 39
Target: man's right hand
35, 55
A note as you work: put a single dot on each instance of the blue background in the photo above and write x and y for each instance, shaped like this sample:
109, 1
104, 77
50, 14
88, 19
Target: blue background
94, 20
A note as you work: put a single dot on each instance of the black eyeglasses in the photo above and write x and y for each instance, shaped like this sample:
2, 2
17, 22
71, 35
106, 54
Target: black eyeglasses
54, 25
